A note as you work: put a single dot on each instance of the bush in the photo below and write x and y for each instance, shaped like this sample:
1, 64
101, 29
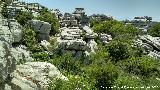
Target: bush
118, 51
41, 56
128, 81
67, 63
114, 28
74, 83
4, 10
23, 17
28, 37
102, 76
155, 30
142, 66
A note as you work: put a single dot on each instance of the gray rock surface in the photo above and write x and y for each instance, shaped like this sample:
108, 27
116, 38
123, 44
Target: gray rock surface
15, 29
7, 63
105, 38
34, 76
10, 31
41, 28
20, 53
77, 44
150, 45
47, 46
72, 39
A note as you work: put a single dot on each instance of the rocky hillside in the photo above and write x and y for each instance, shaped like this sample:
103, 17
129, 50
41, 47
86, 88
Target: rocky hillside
17, 76
41, 49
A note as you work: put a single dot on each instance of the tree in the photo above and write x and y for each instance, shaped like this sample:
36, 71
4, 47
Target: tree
23, 17
155, 30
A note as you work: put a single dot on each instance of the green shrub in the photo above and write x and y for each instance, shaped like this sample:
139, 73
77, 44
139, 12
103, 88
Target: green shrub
4, 10
142, 66
127, 80
155, 30
67, 63
23, 17
74, 83
40, 56
28, 37
114, 28
102, 76
118, 51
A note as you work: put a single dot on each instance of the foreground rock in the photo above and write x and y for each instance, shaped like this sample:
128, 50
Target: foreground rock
150, 45
34, 76
7, 64
10, 33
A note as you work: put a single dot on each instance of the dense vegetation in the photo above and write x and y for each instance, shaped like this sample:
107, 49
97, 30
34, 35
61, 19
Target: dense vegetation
155, 30
116, 64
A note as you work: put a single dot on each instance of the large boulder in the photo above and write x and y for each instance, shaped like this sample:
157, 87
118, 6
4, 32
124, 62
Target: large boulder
34, 76
70, 33
41, 28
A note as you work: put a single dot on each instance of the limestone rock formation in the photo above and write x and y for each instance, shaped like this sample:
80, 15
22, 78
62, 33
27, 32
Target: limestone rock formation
34, 76
47, 46
150, 45
10, 31
72, 39
7, 63
105, 38
15, 29
21, 54
78, 45
41, 28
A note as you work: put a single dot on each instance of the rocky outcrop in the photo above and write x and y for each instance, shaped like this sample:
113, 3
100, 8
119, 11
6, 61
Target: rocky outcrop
78, 45
47, 46
41, 28
150, 45
34, 76
105, 38
10, 31
72, 39
16, 30
21, 54
7, 63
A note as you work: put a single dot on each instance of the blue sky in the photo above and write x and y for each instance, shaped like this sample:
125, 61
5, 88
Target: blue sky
119, 9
